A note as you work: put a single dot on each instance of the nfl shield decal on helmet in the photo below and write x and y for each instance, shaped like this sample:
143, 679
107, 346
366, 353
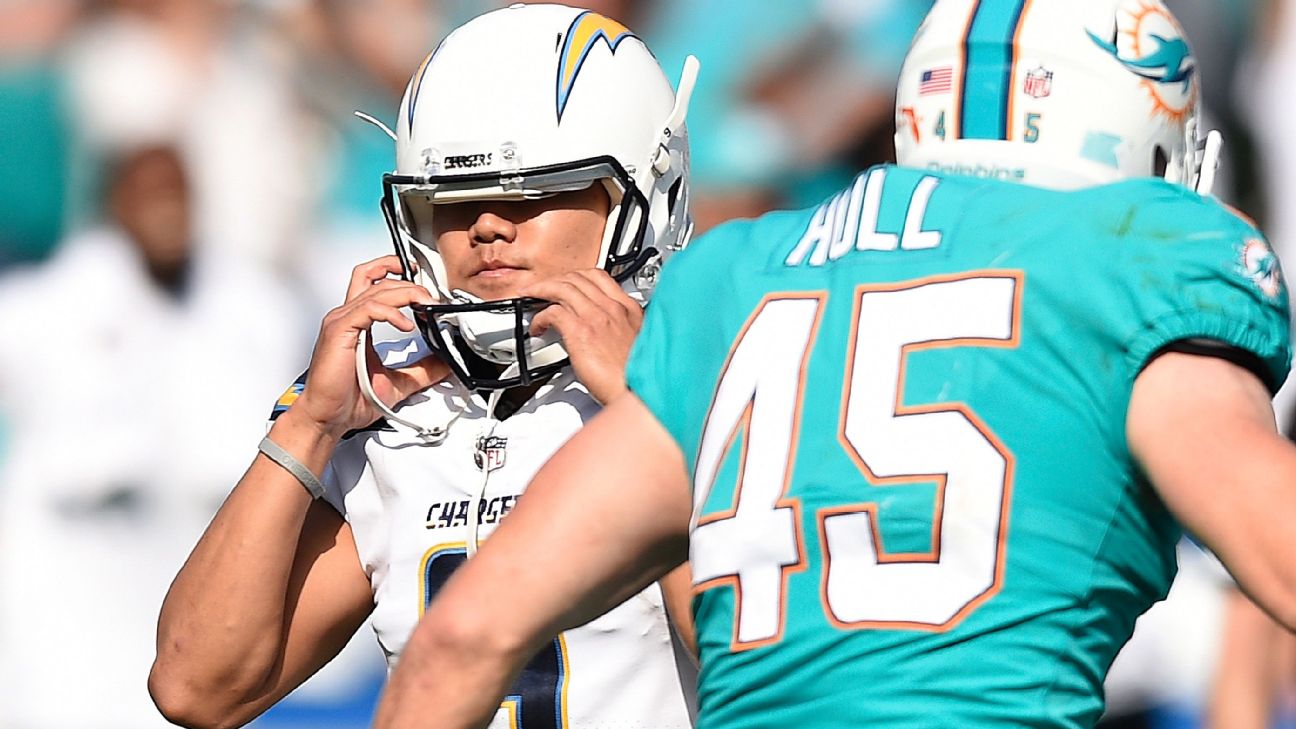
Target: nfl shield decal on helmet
1039, 83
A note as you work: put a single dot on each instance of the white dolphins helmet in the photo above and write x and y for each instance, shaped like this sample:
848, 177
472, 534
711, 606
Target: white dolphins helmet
574, 99
1053, 93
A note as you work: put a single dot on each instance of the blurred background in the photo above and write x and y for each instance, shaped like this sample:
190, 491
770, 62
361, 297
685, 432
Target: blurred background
184, 189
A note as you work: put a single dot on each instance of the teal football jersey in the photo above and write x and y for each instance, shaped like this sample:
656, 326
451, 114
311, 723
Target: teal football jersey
904, 416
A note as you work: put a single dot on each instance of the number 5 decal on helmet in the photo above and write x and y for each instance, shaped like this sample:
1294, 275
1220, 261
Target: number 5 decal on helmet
1014, 63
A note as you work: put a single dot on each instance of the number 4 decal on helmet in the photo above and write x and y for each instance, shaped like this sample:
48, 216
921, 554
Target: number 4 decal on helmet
757, 543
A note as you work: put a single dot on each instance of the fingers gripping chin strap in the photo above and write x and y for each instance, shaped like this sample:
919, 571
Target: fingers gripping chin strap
429, 436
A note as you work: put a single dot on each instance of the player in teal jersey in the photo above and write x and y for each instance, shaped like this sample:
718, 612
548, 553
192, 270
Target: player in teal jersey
913, 484
932, 442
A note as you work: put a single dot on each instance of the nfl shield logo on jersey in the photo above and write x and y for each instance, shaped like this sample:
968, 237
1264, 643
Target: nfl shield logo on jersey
490, 452
1039, 82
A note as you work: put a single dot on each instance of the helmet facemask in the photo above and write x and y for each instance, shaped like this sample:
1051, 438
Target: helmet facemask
498, 331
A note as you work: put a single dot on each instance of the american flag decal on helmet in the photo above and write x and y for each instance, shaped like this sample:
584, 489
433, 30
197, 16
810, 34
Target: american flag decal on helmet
936, 81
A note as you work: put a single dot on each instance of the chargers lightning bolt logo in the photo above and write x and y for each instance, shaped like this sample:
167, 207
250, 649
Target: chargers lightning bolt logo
416, 83
584, 33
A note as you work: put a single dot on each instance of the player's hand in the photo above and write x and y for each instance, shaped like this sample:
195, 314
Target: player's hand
598, 323
331, 401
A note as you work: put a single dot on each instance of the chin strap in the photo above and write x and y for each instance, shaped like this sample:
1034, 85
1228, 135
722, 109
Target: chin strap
434, 436
363, 116
429, 436
474, 508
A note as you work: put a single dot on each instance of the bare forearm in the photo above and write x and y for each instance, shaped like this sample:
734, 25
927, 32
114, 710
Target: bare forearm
1202, 429
465, 653
1258, 549
274, 588
1246, 673
467, 677
1252, 535
222, 624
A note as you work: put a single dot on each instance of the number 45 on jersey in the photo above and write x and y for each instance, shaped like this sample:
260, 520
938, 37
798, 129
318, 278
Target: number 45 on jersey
757, 543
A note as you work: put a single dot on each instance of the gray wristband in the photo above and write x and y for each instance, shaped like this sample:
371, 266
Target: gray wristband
274, 452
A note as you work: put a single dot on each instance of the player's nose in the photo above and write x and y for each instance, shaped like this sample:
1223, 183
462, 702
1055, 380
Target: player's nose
490, 227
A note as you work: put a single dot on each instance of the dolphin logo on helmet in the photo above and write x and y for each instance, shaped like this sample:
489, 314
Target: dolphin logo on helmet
1171, 62
1122, 102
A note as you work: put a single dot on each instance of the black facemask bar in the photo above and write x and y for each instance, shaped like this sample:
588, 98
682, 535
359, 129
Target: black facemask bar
621, 265
441, 338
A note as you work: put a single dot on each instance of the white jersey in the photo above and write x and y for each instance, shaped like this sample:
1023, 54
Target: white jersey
409, 504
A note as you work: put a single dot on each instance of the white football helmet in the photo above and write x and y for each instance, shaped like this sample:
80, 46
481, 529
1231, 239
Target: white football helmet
522, 103
1053, 93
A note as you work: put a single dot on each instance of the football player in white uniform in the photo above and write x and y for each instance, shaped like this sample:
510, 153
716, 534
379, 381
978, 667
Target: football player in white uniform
541, 179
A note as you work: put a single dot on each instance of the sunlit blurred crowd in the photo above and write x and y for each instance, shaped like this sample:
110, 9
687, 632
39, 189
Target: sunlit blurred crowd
184, 188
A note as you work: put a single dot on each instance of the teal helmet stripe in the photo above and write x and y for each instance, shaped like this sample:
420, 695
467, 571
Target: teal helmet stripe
988, 59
